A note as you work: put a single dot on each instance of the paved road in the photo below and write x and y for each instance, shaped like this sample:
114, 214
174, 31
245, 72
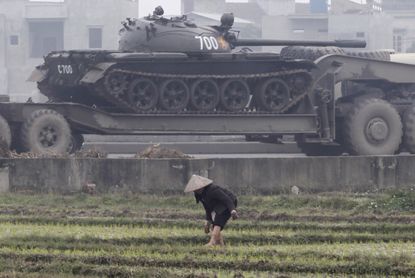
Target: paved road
197, 146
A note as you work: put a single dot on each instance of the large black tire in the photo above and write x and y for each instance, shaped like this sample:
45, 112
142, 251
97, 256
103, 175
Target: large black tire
46, 131
372, 127
309, 52
382, 55
5, 133
4, 98
409, 130
77, 140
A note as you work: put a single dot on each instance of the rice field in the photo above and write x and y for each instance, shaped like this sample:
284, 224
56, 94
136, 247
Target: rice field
326, 235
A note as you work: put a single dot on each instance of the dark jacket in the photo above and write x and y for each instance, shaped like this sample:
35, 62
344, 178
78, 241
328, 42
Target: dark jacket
217, 199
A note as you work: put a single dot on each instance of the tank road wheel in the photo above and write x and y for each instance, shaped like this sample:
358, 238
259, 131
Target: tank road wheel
204, 95
273, 95
5, 132
174, 95
409, 129
143, 94
373, 127
46, 131
234, 95
115, 83
299, 83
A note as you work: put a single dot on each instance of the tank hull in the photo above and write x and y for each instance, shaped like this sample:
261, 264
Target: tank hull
218, 81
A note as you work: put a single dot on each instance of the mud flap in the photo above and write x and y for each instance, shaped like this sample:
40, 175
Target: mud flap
96, 73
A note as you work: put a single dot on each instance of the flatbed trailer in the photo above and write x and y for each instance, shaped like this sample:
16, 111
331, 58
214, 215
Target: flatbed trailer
358, 105
89, 120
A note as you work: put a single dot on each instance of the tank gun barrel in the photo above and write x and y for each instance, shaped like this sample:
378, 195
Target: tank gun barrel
338, 43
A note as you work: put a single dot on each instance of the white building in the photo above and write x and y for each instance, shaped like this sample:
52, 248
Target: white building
403, 13
29, 29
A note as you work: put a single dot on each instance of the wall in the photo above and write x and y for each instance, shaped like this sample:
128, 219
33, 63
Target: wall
283, 28
17, 67
403, 25
281, 7
377, 29
242, 175
3, 69
209, 6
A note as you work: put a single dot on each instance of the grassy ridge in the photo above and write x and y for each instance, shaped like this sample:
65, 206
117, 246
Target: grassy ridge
162, 236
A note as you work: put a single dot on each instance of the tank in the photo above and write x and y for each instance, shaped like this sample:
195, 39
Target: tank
173, 65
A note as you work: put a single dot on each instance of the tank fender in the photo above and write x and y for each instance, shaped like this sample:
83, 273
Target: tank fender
96, 73
148, 56
38, 75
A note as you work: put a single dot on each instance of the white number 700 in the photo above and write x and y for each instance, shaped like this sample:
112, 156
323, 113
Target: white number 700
207, 42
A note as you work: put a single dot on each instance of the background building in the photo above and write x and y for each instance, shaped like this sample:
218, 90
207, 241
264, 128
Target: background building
342, 19
248, 15
318, 19
29, 29
403, 13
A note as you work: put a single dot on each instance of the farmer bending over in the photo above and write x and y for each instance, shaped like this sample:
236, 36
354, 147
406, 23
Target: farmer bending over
219, 203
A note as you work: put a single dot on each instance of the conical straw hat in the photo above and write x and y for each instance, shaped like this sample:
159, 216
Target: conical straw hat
197, 182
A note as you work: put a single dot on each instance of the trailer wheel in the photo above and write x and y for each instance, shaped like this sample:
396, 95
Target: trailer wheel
5, 133
77, 140
46, 131
409, 129
373, 127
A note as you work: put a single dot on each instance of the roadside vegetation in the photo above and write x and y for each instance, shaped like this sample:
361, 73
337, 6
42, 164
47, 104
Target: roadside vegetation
130, 235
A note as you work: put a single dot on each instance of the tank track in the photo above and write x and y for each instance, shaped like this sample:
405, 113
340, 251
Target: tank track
118, 98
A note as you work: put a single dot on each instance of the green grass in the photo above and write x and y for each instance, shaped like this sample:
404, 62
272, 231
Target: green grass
335, 235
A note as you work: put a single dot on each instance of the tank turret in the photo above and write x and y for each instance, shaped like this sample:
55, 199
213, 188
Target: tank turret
156, 33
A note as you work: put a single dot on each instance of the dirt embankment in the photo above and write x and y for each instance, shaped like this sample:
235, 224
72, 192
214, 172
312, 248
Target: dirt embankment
152, 152
156, 151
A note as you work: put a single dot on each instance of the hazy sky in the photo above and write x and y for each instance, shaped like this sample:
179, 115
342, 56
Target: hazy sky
171, 7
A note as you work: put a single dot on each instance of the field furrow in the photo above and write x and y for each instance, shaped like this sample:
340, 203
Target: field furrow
276, 236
